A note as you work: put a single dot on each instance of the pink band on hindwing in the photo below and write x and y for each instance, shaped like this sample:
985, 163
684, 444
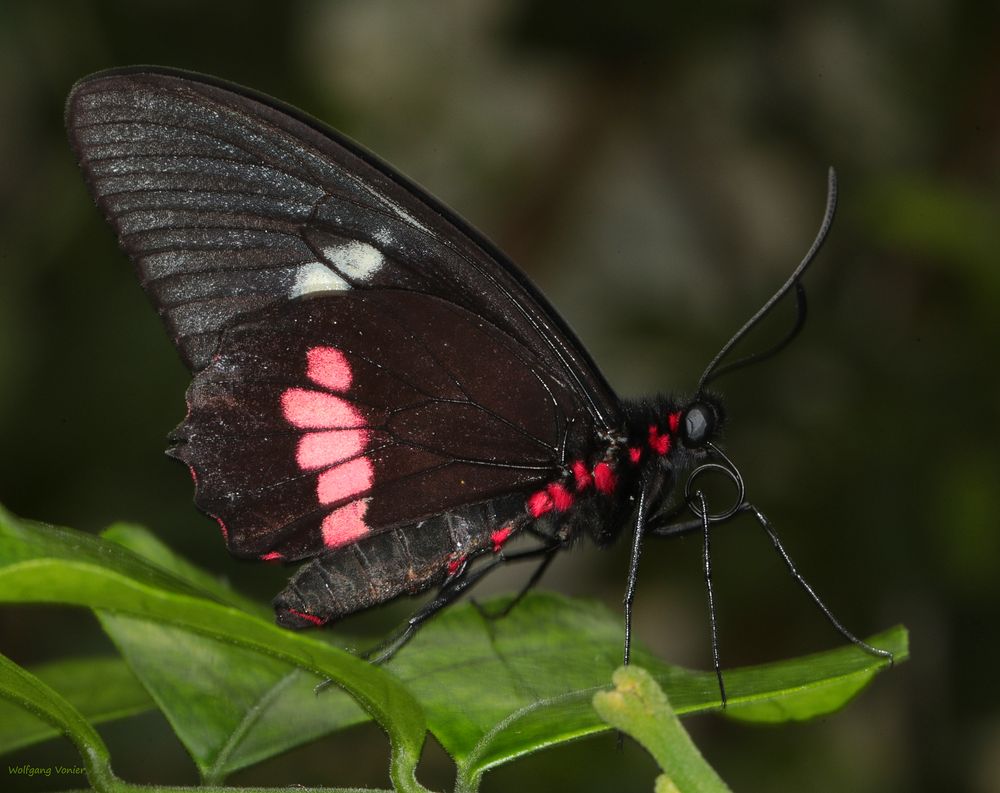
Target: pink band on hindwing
309, 409
325, 448
344, 480
328, 367
345, 525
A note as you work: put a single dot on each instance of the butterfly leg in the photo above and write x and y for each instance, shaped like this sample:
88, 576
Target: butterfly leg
449, 593
702, 523
549, 552
707, 563
633, 566
766, 525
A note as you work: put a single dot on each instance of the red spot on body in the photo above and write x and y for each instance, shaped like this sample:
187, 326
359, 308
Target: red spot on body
658, 442
308, 409
273, 556
322, 449
307, 617
456, 563
194, 475
345, 525
562, 499
499, 537
539, 503
605, 479
581, 476
674, 421
328, 367
634, 454
222, 526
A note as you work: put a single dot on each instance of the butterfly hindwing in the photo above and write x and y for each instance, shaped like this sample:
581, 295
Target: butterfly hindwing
330, 418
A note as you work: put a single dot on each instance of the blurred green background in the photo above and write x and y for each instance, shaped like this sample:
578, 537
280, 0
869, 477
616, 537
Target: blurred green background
657, 170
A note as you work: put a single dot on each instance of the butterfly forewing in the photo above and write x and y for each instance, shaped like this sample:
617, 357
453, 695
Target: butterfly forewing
228, 202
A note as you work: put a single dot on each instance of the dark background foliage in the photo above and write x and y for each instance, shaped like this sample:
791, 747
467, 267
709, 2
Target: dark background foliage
658, 171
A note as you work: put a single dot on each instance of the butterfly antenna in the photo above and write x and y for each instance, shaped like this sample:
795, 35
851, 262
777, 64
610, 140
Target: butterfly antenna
713, 369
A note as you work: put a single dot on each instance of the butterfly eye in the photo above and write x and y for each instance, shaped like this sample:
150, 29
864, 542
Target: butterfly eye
697, 425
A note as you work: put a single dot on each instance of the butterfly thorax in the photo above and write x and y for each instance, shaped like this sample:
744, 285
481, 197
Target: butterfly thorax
598, 490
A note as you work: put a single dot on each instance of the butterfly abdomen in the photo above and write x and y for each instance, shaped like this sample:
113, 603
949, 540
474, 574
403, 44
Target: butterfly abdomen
405, 560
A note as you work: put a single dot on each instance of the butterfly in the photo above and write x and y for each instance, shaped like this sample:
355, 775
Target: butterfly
377, 391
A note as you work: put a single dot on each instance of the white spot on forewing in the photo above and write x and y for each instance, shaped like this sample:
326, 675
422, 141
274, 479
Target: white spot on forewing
316, 277
356, 260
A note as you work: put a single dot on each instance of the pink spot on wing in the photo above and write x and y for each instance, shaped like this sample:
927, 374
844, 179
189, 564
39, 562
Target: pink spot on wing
328, 367
273, 556
222, 525
455, 564
345, 525
344, 480
319, 410
634, 454
322, 449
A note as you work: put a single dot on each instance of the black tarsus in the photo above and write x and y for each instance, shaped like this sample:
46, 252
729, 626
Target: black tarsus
650, 487
450, 591
536, 576
707, 562
711, 372
703, 522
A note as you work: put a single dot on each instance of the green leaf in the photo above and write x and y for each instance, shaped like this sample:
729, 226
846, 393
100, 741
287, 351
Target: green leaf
24, 689
639, 707
101, 689
492, 690
19, 686
240, 707
42, 564
814, 685
144, 543
496, 690
245, 706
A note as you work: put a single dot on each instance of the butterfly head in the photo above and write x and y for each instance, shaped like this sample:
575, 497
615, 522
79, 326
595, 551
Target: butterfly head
664, 434
699, 423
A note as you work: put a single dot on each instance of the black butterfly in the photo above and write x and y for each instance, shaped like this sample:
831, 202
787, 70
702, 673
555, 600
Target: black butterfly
377, 389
